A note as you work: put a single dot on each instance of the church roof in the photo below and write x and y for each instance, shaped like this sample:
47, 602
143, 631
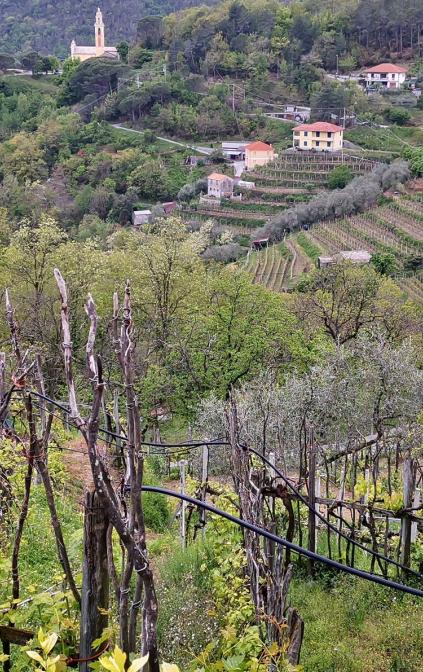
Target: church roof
84, 50
92, 50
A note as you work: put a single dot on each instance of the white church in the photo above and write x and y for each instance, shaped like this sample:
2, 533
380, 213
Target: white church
100, 50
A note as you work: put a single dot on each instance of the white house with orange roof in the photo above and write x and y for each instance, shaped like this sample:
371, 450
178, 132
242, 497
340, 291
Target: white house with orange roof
220, 186
258, 154
320, 136
387, 75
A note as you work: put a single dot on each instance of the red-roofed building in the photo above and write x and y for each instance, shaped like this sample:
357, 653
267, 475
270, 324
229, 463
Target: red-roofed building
258, 154
320, 136
387, 75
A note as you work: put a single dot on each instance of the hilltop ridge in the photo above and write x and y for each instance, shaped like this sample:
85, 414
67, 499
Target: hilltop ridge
42, 26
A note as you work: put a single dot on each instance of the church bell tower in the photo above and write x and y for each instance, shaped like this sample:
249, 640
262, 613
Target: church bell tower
99, 33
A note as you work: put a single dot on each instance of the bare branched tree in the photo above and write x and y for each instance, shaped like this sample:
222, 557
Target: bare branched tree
126, 517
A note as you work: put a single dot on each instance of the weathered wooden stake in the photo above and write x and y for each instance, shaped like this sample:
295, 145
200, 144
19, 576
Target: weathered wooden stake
408, 485
204, 481
117, 426
312, 494
95, 578
182, 465
416, 503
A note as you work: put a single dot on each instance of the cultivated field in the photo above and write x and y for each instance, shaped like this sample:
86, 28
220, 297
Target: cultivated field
395, 228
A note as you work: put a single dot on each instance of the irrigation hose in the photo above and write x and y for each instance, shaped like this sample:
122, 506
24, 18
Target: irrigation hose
374, 578
218, 442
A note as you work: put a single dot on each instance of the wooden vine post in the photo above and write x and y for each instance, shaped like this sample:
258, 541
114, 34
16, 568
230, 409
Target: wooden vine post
95, 578
408, 489
312, 496
126, 518
269, 572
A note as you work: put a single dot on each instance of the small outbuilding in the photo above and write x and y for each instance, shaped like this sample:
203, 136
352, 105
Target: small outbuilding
169, 207
359, 257
140, 217
260, 243
234, 150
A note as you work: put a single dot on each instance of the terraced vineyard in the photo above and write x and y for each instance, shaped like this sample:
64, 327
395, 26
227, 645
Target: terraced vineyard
278, 266
271, 267
396, 228
292, 169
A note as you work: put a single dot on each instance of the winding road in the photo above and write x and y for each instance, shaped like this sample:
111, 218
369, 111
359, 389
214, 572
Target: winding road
207, 151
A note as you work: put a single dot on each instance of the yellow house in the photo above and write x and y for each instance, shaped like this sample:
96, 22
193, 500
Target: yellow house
321, 136
258, 154
100, 50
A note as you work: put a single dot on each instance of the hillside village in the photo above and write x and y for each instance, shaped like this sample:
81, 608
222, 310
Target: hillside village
211, 336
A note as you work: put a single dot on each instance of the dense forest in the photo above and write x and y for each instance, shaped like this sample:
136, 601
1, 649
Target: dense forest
48, 27
363, 29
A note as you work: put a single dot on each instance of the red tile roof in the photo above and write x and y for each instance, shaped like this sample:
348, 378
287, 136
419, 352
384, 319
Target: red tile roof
259, 146
219, 176
319, 126
387, 67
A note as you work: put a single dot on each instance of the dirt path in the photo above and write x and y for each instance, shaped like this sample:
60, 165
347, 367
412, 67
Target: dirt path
300, 263
77, 463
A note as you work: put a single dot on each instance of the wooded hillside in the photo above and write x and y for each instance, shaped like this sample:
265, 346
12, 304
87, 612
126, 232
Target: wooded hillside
47, 26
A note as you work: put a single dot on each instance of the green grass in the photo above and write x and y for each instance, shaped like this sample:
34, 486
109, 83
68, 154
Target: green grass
392, 139
25, 83
138, 139
355, 626
39, 566
310, 248
186, 616
252, 207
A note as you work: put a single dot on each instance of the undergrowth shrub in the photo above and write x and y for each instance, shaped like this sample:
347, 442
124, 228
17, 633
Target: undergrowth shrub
155, 506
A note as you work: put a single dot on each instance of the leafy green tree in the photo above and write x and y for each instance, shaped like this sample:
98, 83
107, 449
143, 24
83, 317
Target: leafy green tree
22, 157
150, 32
385, 263
414, 156
48, 64
339, 177
6, 62
96, 77
398, 115
68, 68
331, 98
123, 50
344, 300
31, 61
139, 55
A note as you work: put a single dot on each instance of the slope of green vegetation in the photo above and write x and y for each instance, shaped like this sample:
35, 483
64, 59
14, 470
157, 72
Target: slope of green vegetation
43, 26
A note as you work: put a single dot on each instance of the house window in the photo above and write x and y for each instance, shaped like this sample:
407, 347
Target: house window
305, 143
317, 144
329, 134
305, 134
317, 134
